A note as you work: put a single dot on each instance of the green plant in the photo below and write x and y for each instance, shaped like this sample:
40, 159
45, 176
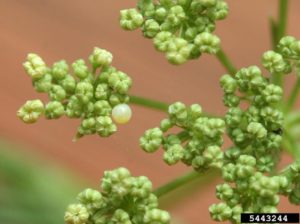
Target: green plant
259, 121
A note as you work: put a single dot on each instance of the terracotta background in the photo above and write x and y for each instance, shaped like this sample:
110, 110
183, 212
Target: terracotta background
69, 30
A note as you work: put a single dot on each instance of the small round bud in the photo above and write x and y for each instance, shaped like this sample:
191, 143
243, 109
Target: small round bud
35, 66
208, 43
54, 110
152, 139
76, 214
31, 111
130, 19
80, 69
100, 57
59, 70
121, 113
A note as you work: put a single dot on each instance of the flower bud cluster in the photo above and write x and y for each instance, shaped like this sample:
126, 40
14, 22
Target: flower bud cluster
197, 145
87, 95
181, 29
247, 190
124, 200
257, 128
286, 56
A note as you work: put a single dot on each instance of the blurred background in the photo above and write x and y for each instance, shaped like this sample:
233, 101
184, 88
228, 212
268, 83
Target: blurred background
41, 169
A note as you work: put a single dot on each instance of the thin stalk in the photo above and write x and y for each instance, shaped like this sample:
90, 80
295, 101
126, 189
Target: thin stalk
293, 96
178, 182
282, 16
149, 103
158, 105
226, 62
291, 145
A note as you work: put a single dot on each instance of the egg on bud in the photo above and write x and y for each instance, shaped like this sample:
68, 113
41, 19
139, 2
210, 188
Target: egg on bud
121, 113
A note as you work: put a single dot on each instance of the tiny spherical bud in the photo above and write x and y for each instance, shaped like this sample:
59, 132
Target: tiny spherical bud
120, 82
31, 111
80, 69
208, 43
257, 130
68, 84
100, 57
157, 216
121, 113
102, 91
285, 46
178, 51
102, 108
152, 139
274, 62
220, 212
91, 199
54, 110
84, 91
59, 70
57, 93
105, 126
76, 214
43, 84
35, 66
272, 93
166, 124
150, 28
228, 84
130, 19
173, 154
161, 40
116, 99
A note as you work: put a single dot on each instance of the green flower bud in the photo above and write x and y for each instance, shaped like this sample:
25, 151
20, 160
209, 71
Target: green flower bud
224, 192
80, 69
161, 41
220, 11
208, 3
177, 112
102, 108
161, 13
120, 217
74, 108
84, 91
87, 127
272, 93
130, 19
68, 84
285, 46
234, 116
31, 111
141, 187
119, 82
59, 70
151, 140
102, 91
265, 164
150, 28
35, 66
294, 196
91, 199
190, 33
210, 127
176, 15
54, 110
220, 212
76, 214
228, 84
43, 84
105, 126
208, 43
214, 156
116, 99
257, 130
236, 213
178, 51
274, 62
100, 57
245, 166
295, 47
157, 216
228, 172
231, 100
173, 154
166, 124
57, 93
269, 209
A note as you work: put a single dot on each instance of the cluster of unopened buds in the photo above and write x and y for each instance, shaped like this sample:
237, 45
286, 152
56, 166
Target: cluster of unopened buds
94, 95
124, 199
181, 29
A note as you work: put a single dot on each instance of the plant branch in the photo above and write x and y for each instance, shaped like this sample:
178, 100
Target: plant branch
149, 103
226, 62
293, 96
178, 182
282, 16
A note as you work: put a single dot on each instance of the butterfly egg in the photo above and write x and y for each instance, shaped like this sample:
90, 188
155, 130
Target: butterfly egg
121, 113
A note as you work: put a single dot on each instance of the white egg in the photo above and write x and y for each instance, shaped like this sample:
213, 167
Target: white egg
121, 113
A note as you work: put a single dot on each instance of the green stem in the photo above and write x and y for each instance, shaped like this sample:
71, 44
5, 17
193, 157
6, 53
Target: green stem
293, 96
225, 61
291, 145
178, 182
282, 16
158, 105
149, 103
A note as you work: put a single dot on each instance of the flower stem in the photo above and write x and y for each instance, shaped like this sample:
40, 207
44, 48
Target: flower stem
149, 103
225, 61
178, 182
293, 96
282, 22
